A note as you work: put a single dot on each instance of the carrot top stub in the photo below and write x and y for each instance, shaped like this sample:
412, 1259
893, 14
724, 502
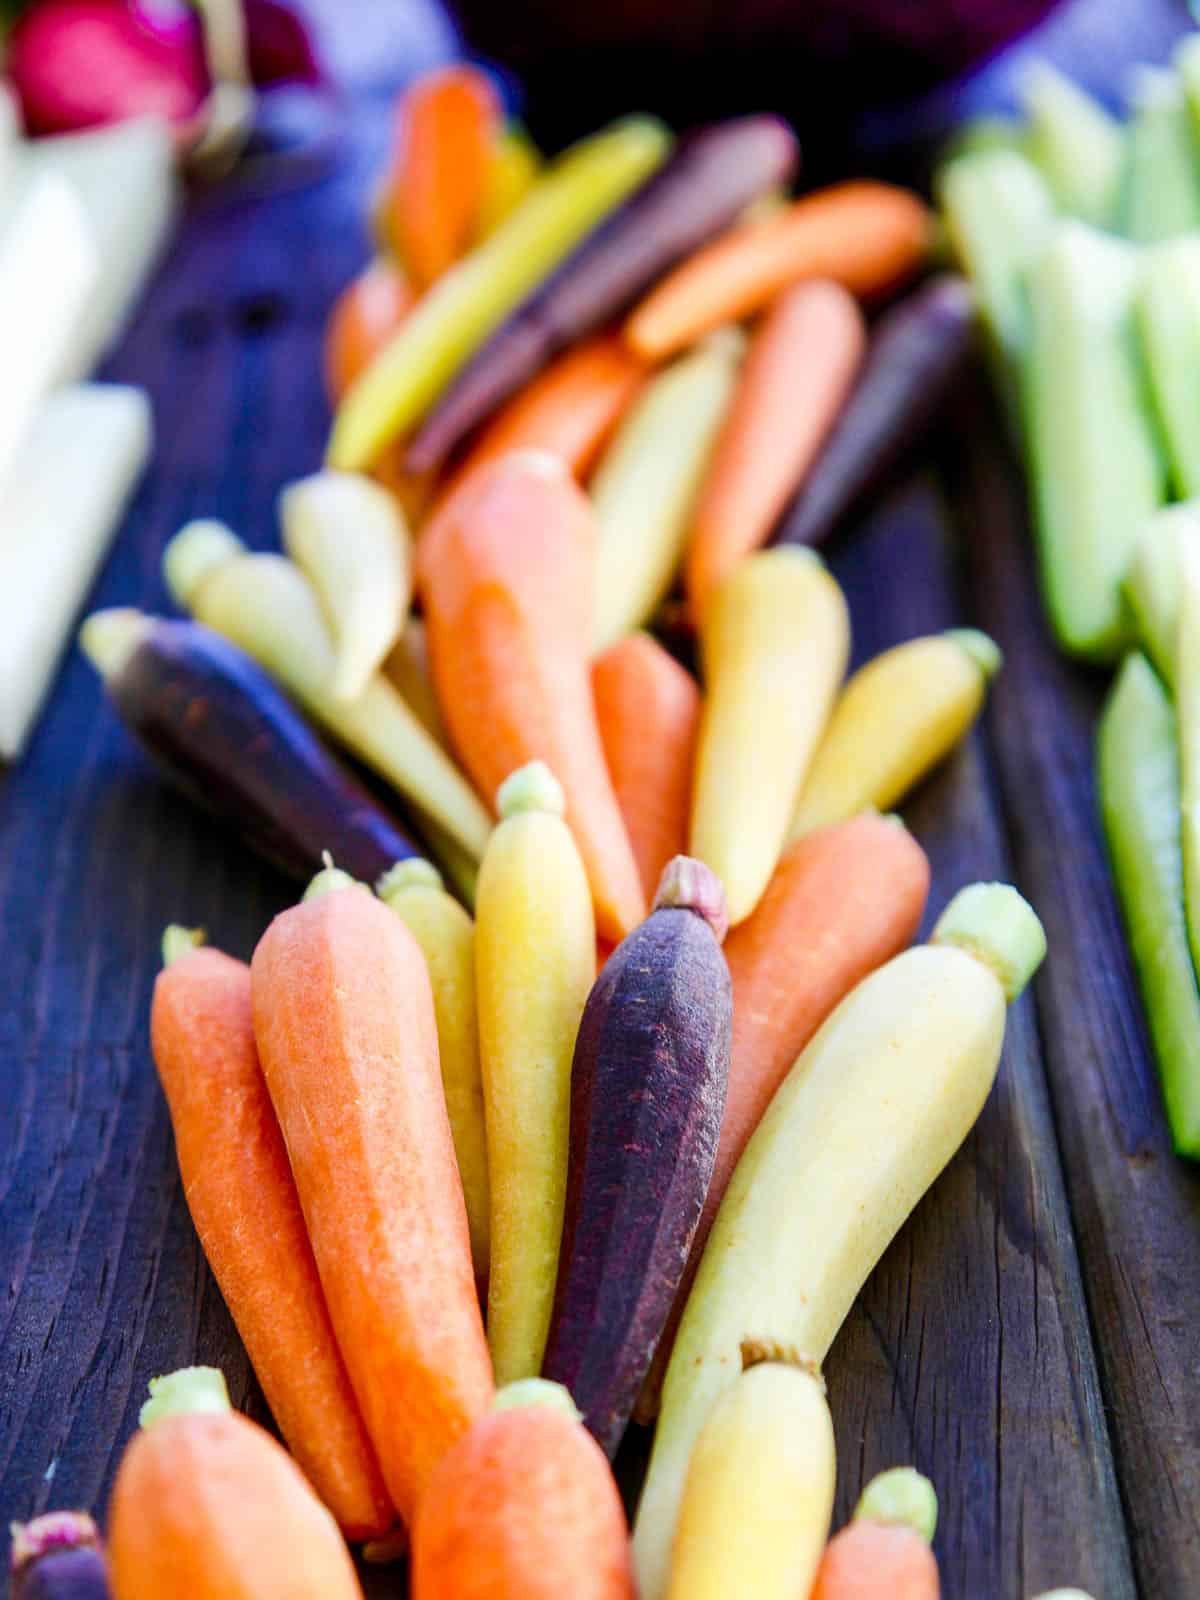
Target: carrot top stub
992, 922
900, 1497
532, 787
187, 1392
688, 885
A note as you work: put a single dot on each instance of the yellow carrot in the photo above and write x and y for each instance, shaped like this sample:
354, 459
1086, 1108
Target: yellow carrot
513, 171
455, 316
646, 485
895, 720
265, 605
446, 935
535, 959
774, 645
349, 536
759, 1494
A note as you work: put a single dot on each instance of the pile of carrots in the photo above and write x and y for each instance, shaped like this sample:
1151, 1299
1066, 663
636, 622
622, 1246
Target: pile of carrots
620, 1126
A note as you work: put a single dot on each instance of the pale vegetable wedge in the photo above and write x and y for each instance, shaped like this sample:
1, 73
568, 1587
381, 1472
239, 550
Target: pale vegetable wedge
349, 536
60, 505
872, 1111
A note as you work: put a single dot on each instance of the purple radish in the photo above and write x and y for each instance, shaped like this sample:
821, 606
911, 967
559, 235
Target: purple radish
647, 1097
918, 351
711, 178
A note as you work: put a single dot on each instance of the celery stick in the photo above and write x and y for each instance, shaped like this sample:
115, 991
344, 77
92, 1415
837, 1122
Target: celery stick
1186, 62
124, 177
59, 507
48, 269
464, 306
1095, 466
1169, 325
998, 214
1138, 772
1152, 583
1079, 146
1162, 184
1187, 702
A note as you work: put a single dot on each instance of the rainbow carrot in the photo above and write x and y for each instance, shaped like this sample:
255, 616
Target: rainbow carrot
364, 317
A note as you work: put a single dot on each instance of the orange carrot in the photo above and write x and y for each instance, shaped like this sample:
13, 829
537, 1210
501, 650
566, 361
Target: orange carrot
343, 1015
877, 1561
867, 236
413, 490
365, 315
243, 1201
506, 572
569, 409
447, 127
648, 708
792, 386
523, 1508
831, 914
207, 1506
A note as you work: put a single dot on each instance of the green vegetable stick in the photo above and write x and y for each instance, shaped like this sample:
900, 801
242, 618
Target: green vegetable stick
1095, 467
1187, 64
1079, 146
1161, 197
1169, 324
1152, 583
1138, 770
998, 212
464, 306
1187, 702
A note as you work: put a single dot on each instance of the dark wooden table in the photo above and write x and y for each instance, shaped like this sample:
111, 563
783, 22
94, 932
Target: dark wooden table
1030, 1340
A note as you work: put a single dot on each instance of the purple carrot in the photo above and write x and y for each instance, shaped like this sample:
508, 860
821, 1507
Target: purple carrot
712, 177
58, 1557
647, 1096
228, 738
918, 351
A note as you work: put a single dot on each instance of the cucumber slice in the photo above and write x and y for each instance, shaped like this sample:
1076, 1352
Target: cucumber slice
1138, 771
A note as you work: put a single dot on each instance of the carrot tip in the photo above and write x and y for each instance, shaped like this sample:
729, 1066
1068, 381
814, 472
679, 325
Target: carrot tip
187, 1392
992, 922
177, 941
537, 1392
983, 651
532, 787
108, 638
900, 1497
329, 880
414, 873
689, 885
195, 551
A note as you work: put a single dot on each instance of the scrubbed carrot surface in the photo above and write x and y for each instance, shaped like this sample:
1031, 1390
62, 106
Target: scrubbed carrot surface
868, 1561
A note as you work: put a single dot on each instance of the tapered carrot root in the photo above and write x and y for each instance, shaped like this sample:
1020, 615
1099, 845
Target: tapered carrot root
872, 1561
242, 1197
506, 575
794, 381
207, 1506
448, 125
524, 1508
344, 1019
866, 236
648, 709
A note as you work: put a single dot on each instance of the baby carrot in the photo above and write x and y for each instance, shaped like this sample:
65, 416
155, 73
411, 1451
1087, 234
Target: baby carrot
447, 127
208, 1506
364, 317
884, 1554
796, 376
774, 645
569, 409
344, 1018
648, 709
58, 1556
506, 575
535, 959
242, 1197
867, 236
446, 934
841, 902
523, 1508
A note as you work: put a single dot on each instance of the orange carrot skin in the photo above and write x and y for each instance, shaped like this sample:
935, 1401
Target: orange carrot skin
648, 708
523, 1508
243, 1201
796, 377
343, 1014
211, 1508
448, 123
873, 1561
831, 914
570, 409
365, 315
506, 574
867, 236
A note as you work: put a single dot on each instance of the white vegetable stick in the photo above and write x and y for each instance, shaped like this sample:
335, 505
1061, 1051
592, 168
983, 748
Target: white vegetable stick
48, 269
124, 177
59, 507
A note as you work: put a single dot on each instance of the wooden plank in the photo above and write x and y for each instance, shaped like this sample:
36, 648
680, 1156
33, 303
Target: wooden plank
1136, 1208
